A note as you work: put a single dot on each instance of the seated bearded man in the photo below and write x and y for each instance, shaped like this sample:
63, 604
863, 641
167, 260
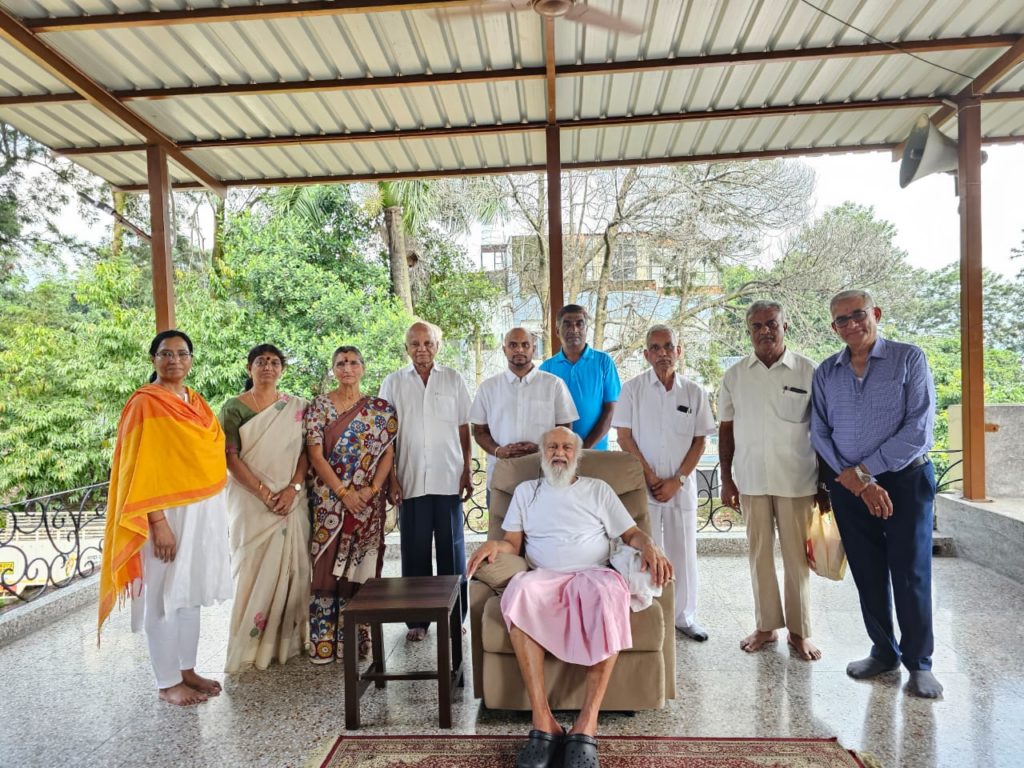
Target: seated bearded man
571, 604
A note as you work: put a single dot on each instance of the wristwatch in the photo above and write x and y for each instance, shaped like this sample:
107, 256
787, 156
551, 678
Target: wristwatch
863, 476
297, 487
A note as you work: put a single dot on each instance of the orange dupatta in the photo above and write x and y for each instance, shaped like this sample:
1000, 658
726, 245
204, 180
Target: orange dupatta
169, 453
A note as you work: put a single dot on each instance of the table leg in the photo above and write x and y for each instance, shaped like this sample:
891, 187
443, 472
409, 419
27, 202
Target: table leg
455, 622
350, 655
377, 640
444, 671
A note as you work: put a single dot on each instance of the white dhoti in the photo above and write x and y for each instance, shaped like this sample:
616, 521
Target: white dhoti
166, 604
674, 529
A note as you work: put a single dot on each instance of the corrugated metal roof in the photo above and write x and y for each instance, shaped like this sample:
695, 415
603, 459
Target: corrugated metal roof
291, 49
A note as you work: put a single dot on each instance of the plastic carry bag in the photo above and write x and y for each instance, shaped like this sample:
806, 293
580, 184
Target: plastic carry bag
825, 553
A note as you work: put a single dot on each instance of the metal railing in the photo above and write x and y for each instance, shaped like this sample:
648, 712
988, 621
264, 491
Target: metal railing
50, 541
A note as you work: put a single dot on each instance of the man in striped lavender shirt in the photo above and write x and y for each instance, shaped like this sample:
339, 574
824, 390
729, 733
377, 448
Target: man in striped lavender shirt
873, 406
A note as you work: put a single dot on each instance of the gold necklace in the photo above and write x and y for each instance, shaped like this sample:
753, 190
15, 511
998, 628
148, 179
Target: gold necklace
252, 396
345, 406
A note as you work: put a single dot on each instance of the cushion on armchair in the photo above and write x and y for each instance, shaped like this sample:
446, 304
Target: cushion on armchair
497, 575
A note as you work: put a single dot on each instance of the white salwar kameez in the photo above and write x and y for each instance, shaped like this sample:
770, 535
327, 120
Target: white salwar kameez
166, 603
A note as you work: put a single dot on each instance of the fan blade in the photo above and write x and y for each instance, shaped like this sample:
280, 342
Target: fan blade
585, 14
483, 9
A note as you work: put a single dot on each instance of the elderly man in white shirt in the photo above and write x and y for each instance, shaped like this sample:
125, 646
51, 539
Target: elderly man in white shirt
514, 408
662, 418
432, 474
770, 470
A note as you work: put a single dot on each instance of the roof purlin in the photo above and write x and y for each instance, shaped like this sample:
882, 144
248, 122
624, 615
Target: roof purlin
767, 154
39, 51
591, 122
535, 73
230, 14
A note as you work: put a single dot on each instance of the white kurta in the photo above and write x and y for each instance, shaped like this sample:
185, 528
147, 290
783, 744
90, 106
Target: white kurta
200, 574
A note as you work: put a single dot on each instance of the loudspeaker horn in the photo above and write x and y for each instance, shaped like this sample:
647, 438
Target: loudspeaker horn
926, 151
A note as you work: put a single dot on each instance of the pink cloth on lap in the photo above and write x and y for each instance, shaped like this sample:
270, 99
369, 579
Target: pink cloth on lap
580, 617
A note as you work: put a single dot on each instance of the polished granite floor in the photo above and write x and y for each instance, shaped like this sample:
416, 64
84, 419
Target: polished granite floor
67, 703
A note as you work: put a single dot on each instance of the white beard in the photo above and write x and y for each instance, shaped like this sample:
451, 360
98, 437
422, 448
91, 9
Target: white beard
558, 475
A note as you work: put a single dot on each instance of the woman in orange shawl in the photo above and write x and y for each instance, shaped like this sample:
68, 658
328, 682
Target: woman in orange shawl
166, 543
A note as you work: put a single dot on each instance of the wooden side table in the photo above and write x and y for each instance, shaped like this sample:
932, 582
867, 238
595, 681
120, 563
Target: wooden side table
416, 598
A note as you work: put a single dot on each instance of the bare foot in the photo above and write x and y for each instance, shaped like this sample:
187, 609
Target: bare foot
757, 640
182, 695
804, 648
199, 683
416, 634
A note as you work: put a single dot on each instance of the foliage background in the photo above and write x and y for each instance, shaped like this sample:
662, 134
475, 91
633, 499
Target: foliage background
311, 268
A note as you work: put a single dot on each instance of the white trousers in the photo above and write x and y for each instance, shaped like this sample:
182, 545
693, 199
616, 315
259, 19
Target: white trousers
172, 593
674, 528
173, 639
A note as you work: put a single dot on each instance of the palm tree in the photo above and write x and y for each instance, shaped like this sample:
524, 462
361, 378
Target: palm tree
407, 206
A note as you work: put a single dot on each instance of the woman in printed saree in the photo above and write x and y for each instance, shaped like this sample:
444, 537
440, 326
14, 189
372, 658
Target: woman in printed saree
349, 442
166, 541
269, 516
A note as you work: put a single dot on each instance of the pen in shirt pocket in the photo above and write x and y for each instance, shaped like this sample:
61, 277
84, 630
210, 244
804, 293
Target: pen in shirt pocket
797, 390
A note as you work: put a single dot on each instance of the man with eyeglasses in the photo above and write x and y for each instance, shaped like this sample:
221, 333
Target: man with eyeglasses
769, 469
662, 418
873, 407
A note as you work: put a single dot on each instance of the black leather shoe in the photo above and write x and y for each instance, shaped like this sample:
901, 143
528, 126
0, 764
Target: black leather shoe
540, 751
579, 751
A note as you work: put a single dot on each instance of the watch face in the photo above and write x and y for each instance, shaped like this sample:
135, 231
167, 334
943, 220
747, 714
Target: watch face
297, 486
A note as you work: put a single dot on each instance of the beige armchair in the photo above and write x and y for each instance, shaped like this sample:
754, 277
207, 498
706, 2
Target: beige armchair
643, 678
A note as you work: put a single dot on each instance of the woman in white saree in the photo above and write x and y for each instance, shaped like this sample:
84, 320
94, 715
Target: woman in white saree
269, 517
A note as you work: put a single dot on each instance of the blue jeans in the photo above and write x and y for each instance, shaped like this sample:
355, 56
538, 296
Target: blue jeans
436, 520
891, 563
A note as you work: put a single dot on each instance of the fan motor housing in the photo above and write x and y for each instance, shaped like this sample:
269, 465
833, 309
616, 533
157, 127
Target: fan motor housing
552, 8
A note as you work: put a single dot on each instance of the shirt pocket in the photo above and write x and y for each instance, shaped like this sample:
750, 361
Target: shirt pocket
682, 421
541, 416
793, 406
444, 408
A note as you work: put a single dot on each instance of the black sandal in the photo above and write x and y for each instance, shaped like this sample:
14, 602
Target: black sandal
540, 750
580, 751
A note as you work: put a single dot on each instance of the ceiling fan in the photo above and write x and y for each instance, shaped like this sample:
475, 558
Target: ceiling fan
573, 10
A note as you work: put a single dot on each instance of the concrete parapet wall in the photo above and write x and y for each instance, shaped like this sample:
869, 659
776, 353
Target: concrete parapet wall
988, 533
1004, 477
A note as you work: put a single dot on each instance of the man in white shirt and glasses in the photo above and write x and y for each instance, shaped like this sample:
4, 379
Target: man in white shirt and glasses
432, 475
769, 469
662, 418
514, 408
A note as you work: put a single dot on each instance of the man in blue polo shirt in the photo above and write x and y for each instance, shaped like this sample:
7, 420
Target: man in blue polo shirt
590, 376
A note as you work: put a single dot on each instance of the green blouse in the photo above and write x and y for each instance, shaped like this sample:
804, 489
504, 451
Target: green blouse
233, 414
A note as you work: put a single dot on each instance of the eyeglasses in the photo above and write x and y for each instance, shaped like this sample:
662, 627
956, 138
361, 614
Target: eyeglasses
169, 355
262, 362
857, 316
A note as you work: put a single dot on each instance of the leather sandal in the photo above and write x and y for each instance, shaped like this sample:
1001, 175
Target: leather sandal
579, 751
540, 750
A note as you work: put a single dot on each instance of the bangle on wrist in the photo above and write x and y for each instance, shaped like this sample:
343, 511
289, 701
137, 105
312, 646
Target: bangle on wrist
159, 520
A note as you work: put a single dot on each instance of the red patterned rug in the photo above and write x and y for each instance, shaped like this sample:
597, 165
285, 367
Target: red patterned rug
616, 752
